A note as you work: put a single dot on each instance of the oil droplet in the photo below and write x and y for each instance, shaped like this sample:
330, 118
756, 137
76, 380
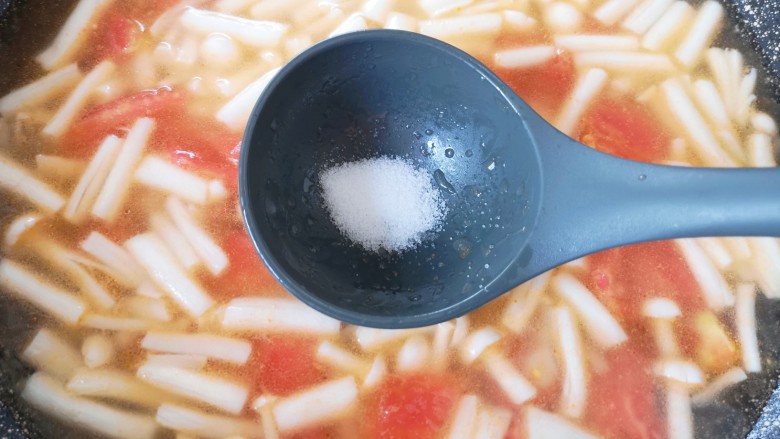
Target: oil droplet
441, 180
642, 177
429, 131
449, 152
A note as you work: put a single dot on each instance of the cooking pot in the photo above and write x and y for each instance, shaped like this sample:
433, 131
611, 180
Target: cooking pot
750, 408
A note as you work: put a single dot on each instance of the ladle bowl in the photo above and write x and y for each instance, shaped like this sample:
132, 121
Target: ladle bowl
521, 196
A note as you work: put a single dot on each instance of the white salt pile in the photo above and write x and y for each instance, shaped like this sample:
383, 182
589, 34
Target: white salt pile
382, 203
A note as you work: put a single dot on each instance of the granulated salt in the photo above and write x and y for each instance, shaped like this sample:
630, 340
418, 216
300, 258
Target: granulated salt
382, 203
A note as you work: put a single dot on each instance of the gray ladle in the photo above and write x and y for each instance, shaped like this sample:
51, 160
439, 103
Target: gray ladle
522, 197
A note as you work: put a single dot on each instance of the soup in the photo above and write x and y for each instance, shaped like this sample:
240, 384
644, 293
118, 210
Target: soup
157, 318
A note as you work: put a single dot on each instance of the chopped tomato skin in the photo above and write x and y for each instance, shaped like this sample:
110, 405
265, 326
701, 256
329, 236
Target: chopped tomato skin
284, 364
622, 401
623, 278
201, 145
626, 129
412, 406
117, 116
113, 39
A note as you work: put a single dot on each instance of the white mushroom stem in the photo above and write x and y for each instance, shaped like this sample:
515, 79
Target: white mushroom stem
746, 327
702, 31
600, 324
340, 358
370, 339
414, 354
645, 15
251, 32
18, 227
714, 287
209, 389
49, 353
117, 386
161, 266
193, 362
47, 395
66, 261
118, 181
73, 34
276, 315
17, 180
671, 24
41, 90
613, 11
477, 342
97, 349
473, 25
218, 347
765, 255
204, 246
514, 385
523, 302
235, 113
574, 394
715, 387
465, 418
92, 180
441, 343
78, 99
492, 423
541, 424
585, 91
123, 267
679, 416
25, 285
167, 177
204, 425
318, 404
175, 240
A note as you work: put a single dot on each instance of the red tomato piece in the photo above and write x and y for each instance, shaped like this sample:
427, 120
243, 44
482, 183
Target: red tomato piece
112, 39
622, 403
246, 273
145, 11
625, 128
546, 87
118, 115
200, 145
623, 278
281, 365
412, 406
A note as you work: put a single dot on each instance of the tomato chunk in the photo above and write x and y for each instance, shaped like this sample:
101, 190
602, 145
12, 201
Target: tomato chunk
200, 145
413, 406
118, 115
284, 364
246, 273
623, 278
113, 38
625, 128
546, 87
622, 402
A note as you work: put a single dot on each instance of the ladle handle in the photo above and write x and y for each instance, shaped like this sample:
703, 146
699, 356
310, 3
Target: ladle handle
594, 201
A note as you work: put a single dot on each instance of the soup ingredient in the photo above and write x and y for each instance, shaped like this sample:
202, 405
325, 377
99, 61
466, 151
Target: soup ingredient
416, 405
382, 203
